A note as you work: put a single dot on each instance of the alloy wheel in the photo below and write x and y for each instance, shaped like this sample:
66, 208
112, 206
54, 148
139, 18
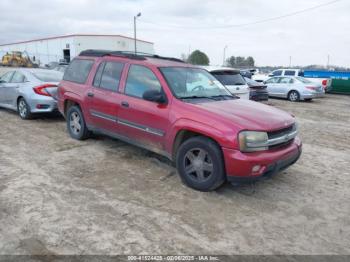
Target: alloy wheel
22, 108
293, 96
198, 164
75, 123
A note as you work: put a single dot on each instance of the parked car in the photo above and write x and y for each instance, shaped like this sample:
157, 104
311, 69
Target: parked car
258, 91
308, 74
232, 79
294, 88
179, 111
60, 68
287, 72
29, 91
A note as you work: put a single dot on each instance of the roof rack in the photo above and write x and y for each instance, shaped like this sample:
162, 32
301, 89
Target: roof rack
127, 54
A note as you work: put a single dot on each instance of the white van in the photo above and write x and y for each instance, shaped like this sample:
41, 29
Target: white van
232, 79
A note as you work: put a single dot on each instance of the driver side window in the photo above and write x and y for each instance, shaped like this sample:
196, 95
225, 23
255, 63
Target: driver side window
141, 79
6, 78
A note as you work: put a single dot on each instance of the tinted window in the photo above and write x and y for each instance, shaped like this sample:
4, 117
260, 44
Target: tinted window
289, 73
277, 72
229, 78
7, 77
18, 78
48, 75
97, 78
111, 75
141, 79
78, 70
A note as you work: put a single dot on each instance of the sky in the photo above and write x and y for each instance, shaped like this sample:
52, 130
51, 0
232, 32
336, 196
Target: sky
181, 26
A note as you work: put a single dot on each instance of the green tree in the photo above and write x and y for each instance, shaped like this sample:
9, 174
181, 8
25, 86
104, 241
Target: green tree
231, 61
240, 61
197, 57
250, 61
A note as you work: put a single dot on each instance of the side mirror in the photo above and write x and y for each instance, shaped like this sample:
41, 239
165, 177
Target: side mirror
2, 81
154, 96
270, 75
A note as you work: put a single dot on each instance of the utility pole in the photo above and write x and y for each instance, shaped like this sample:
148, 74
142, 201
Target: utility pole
224, 58
290, 61
327, 61
136, 16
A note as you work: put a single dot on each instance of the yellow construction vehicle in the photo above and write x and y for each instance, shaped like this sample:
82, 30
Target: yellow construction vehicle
17, 59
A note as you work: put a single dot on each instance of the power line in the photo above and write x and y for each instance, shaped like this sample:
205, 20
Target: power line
247, 24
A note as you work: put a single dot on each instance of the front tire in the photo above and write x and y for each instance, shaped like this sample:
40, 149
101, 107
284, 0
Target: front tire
200, 164
293, 96
23, 109
76, 124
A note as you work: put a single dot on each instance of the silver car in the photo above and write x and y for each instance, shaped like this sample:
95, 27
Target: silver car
29, 91
294, 88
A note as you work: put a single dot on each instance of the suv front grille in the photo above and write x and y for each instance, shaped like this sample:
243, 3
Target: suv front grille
282, 137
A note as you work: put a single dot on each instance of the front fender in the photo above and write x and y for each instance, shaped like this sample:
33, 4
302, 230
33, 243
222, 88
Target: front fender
225, 137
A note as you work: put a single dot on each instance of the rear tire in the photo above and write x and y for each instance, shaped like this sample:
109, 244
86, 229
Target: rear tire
23, 109
293, 96
200, 164
76, 124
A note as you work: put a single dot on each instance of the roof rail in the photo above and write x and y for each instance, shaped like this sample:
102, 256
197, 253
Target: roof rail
127, 54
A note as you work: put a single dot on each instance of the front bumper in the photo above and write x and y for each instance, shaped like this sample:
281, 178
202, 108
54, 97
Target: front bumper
244, 167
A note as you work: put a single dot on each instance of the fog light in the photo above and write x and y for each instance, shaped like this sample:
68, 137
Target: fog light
256, 168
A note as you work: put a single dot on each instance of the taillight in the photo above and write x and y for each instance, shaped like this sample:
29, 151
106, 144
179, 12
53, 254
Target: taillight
311, 87
324, 82
44, 89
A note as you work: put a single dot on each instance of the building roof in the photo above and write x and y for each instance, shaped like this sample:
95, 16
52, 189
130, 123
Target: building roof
73, 35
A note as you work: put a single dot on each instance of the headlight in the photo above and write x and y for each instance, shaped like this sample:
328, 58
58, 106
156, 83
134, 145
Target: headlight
251, 141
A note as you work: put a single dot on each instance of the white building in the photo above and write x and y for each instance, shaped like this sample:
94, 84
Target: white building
66, 47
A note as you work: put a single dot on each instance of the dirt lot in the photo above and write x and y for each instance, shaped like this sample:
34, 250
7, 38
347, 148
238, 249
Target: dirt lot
102, 196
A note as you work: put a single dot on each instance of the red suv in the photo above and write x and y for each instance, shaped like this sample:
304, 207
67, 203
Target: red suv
179, 111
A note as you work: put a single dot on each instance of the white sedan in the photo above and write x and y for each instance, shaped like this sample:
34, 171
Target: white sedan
294, 88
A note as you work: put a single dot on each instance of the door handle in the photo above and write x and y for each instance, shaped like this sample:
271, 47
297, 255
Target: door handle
90, 94
125, 104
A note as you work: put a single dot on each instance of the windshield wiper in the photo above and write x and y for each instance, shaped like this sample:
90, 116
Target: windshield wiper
225, 96
197, 97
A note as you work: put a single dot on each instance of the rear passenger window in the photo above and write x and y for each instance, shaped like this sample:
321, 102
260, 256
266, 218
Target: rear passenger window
286, 80
98, 75
78, 70
272, 80
111, 74
141, 79
289, 73
18, 78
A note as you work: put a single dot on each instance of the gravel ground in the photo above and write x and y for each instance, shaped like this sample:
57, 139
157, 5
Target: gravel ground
102, 196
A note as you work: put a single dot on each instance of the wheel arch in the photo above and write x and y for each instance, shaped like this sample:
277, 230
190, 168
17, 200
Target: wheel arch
184, 134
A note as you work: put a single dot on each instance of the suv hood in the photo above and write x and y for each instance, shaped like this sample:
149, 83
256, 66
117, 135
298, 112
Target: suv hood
249, 115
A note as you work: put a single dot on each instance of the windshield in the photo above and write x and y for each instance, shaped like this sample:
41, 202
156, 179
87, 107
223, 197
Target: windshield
303, 80
48, 76
229, 78
193, 82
